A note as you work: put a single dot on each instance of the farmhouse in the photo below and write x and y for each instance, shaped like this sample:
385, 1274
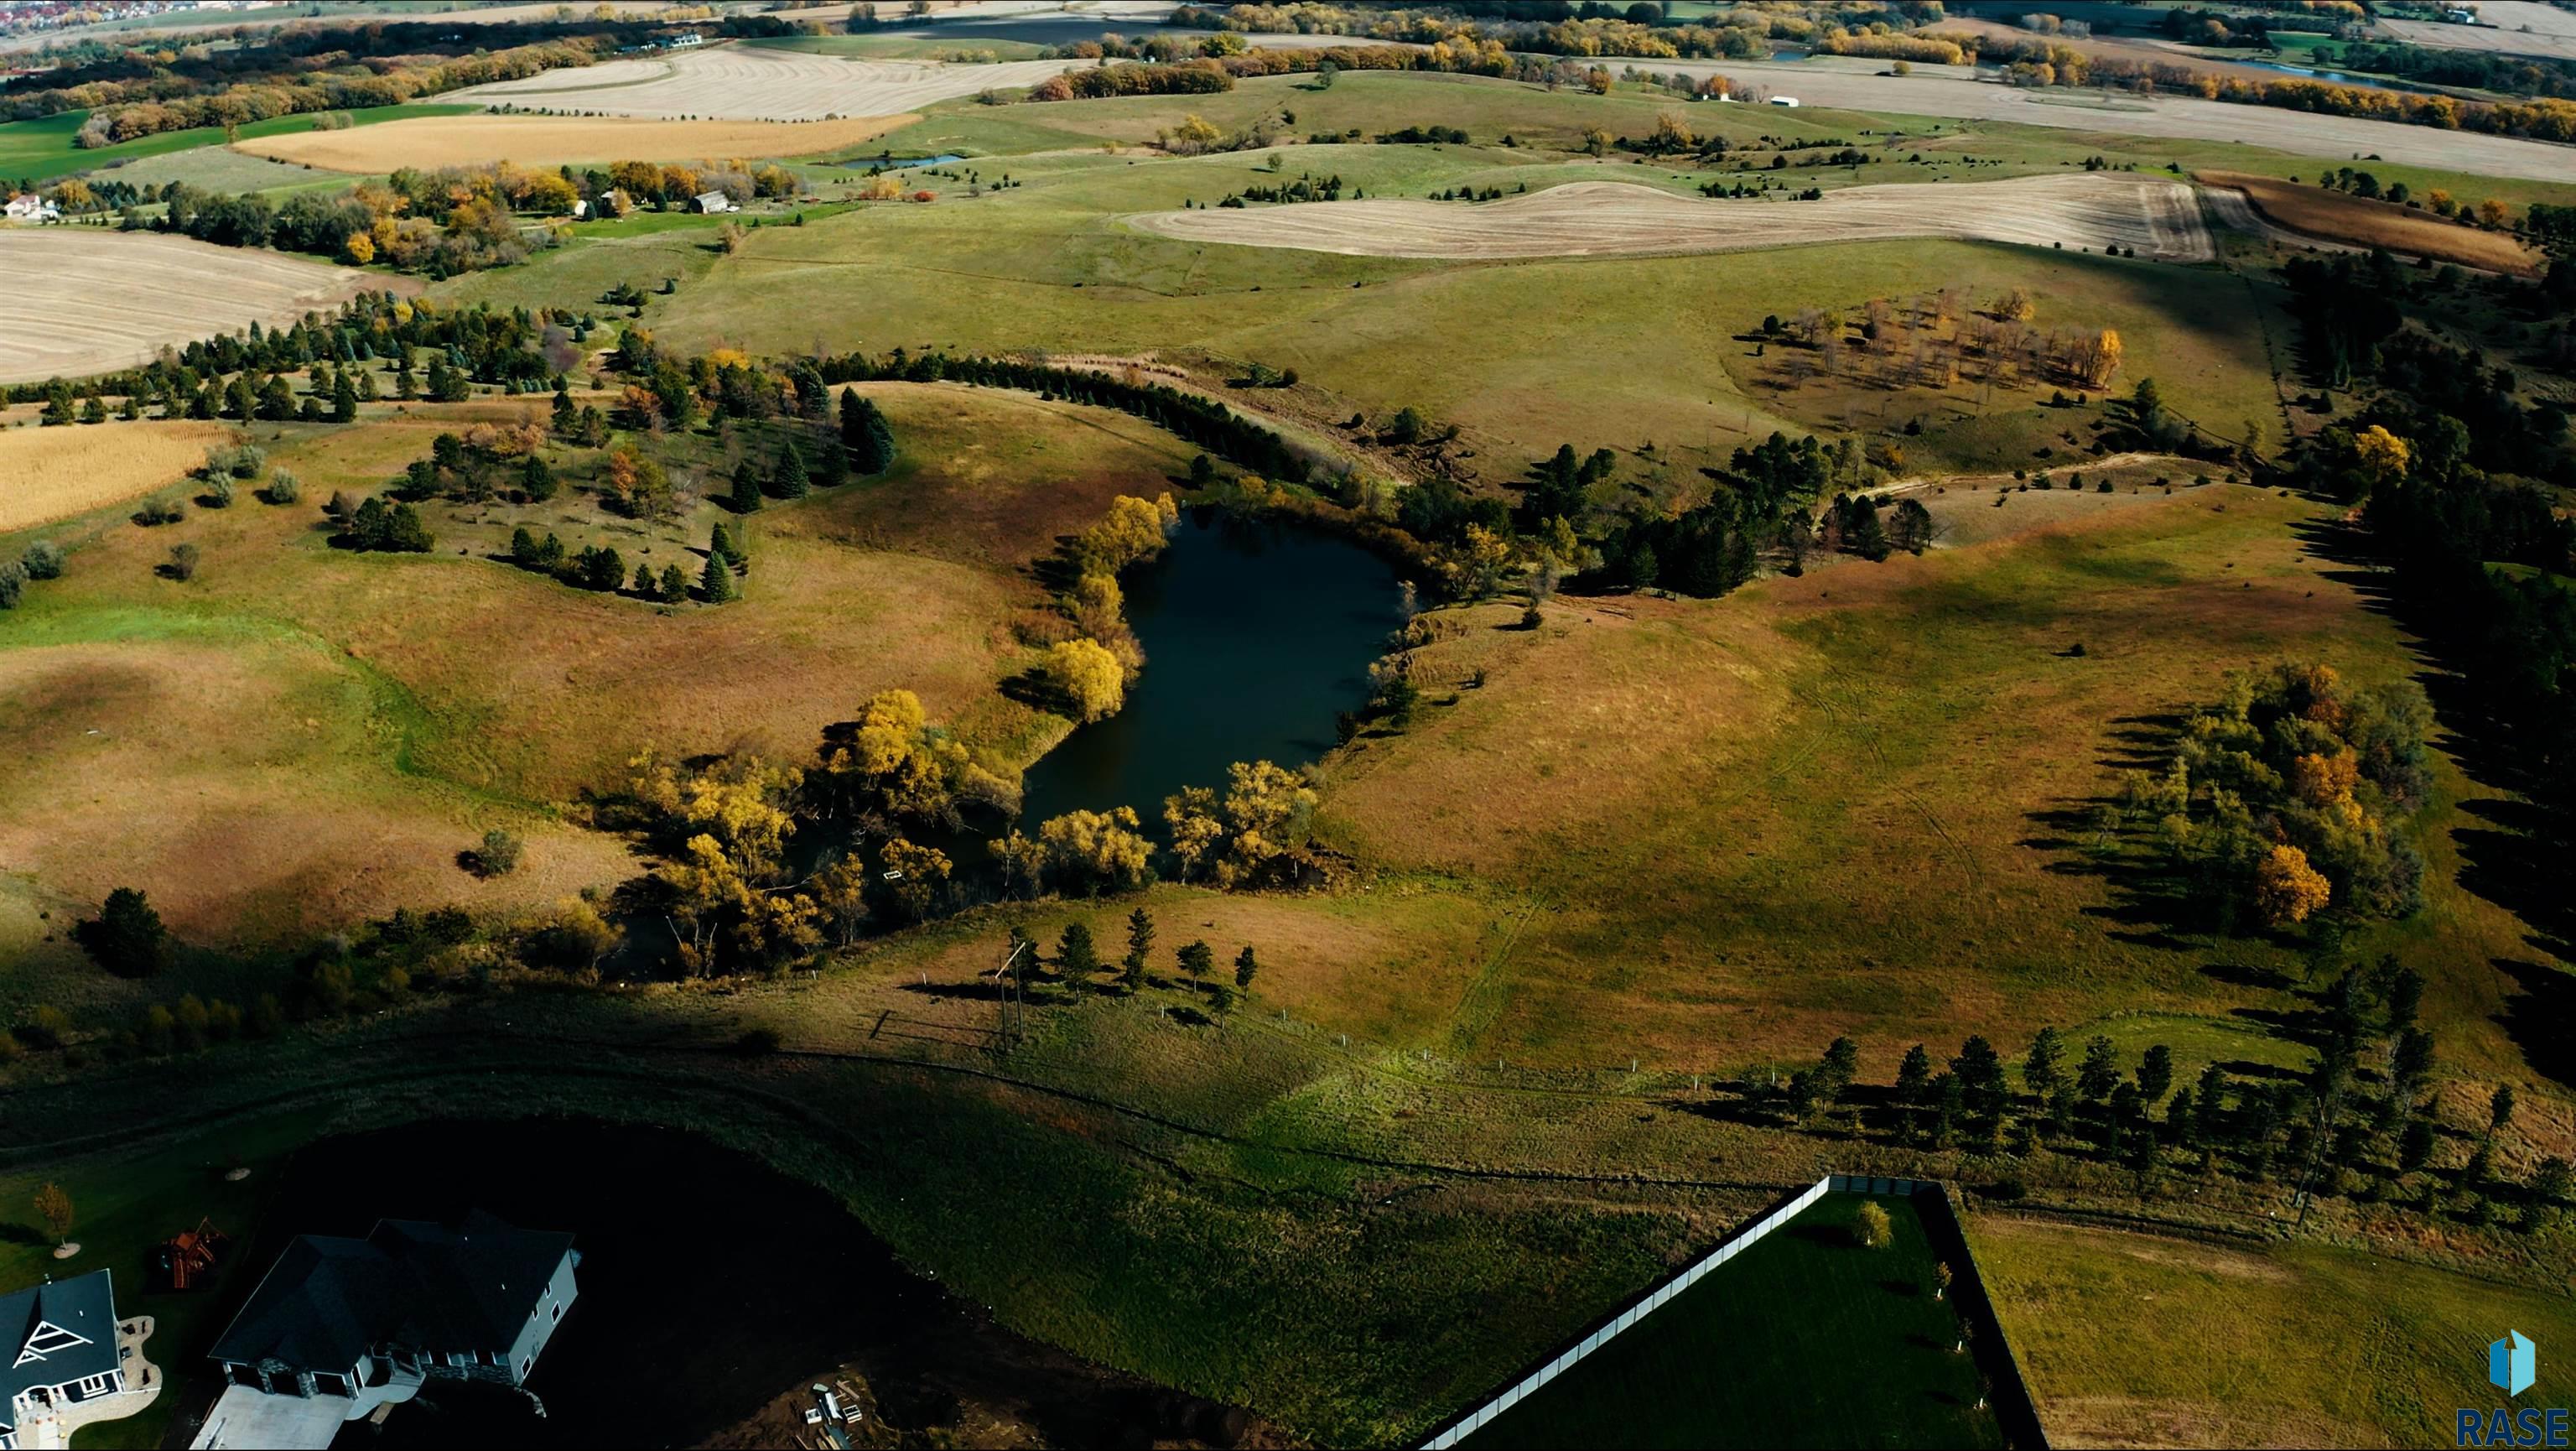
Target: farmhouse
29, 207
714, 201
70, 1364
342, 1327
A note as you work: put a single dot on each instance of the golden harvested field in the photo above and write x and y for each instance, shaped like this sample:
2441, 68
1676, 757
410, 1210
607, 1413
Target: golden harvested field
1605, 219
54, 473
2333, 216
83, 300
741, 83
432, 141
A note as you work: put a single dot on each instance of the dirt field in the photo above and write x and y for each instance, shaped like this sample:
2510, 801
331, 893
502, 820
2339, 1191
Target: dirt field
1592, 219
747, 83
2332, 216
54, 473
2513, 27
554, 141
86, 300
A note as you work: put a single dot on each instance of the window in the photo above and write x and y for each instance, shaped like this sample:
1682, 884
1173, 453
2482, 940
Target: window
558, 1312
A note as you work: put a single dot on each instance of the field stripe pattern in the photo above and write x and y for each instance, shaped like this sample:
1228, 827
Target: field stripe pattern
1600, 219
743, 83
86, 300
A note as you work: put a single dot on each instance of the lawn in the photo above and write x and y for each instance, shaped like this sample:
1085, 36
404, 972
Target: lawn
1808, 1338
41, 150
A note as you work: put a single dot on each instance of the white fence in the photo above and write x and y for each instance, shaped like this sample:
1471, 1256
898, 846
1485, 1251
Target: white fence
1527, 1385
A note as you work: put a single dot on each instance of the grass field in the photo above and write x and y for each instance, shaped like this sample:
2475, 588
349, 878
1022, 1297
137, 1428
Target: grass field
2131, 1339
168, 290
1806, 1339
2339, 217
41, 150
901, 47
559, 140
222, 169
760, 83
54, 473
358, 726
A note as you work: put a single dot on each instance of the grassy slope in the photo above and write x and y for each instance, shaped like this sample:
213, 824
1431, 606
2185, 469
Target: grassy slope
42, 150
2133, 1340
357, 725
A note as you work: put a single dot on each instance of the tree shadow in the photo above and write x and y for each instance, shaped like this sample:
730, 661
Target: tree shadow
2537, 1020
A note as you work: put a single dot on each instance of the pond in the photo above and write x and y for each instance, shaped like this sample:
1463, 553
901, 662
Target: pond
710, 1286
1257, 634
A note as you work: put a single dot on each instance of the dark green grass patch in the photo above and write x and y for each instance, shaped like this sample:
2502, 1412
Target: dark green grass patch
42, 150
1807, 1338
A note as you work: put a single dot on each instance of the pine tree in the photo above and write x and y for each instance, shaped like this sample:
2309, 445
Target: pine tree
790, 481
1245, 966
716, 582
1140, 941
675, 585
647, 583
536, 480
344, 399
864, 434
746, 488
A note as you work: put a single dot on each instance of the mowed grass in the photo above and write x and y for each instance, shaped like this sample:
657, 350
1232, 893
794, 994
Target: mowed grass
559, 140
1823, 806
2131, 1339
300, 737
1807, 1338
54, 473
44, 149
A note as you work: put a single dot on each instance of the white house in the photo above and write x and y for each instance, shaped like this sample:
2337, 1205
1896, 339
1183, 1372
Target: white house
715, 201
66, 1355
26, 206
342, 1327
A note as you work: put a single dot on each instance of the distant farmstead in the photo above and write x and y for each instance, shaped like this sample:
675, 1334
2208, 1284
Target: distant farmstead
29, 207
714, 201
343, 1327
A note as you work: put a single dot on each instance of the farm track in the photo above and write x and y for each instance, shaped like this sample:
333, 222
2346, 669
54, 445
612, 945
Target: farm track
1604, 219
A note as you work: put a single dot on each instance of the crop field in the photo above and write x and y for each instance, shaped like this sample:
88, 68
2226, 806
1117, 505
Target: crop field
2134, 1339
560, 140
54, 473
759, 83
222, 169
1808, 1338
1610, 219
88, 300
2336, 216
43, 149
2510, 27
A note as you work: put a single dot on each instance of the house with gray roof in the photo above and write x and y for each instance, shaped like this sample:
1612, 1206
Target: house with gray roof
341, 1327
64, 1354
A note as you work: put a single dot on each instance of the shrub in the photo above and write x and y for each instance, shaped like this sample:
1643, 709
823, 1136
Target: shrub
43, 560
283, 488
1872, 1228
498, 856
183, 563
13, 582
219, 493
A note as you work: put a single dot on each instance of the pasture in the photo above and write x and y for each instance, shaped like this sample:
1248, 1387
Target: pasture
2136, 1339
360, 719
764, 83
48, 474
1601, 219
87, 299
559, 140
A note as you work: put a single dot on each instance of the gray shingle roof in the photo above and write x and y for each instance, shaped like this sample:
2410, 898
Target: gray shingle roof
56, 1334
410, 1282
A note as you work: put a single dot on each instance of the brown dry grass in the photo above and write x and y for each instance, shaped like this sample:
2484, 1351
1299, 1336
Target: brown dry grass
2333, 216
86, 300
433, 141
756, 83
1597, 219
54, 473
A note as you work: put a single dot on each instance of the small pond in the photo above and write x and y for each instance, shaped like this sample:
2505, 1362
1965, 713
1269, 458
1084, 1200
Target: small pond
1257, 634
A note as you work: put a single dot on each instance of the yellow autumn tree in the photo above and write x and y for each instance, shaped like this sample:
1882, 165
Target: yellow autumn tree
2096, 360
1090, 677
2381, 455
1097, 850
359, 248
914, 875
2286, 888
